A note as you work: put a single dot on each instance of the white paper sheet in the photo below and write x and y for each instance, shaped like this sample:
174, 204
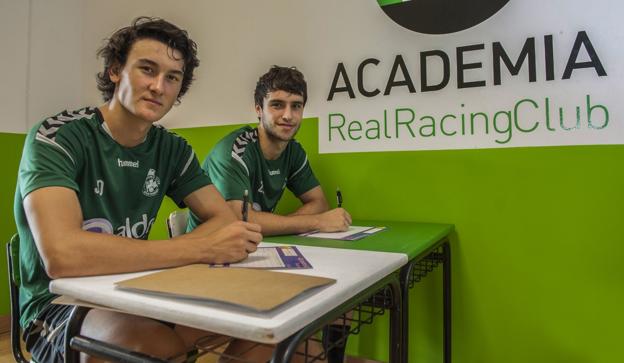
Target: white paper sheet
353, 233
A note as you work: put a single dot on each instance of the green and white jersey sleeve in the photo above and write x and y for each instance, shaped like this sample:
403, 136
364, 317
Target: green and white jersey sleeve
51, 157
226, 167
188, 176
300, 176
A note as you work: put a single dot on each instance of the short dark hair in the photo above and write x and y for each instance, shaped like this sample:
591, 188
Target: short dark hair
115, 51
287, 79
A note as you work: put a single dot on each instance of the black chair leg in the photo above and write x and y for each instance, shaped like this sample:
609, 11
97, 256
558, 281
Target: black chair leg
16, 344
335, 342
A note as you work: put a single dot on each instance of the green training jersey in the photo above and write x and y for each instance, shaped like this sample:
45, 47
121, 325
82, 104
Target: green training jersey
120, 189
237, 164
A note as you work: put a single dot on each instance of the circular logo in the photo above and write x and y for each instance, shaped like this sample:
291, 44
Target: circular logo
440, 16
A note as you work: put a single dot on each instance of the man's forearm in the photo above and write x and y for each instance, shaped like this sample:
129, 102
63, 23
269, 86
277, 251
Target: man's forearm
211, 224
313, 207
83, 253
274, 224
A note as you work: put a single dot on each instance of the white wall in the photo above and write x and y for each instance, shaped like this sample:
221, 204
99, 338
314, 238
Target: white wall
238, 40
56, 58
41, 60
14, 20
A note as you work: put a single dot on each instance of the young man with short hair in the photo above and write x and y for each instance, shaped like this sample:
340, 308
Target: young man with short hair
264, 161
267, 159
90, 185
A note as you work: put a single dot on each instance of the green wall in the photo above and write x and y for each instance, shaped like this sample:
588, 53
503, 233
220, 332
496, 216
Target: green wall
536, 254
11, 150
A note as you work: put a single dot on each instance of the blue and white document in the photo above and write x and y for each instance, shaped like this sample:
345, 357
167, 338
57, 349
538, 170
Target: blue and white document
279, 257
352, 234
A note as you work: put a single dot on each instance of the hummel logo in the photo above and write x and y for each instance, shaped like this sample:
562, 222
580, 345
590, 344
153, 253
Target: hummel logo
127, 163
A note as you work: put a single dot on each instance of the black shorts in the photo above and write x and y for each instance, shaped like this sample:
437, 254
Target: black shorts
45, 335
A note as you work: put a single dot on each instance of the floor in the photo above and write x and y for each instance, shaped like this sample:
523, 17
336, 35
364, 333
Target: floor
5, 348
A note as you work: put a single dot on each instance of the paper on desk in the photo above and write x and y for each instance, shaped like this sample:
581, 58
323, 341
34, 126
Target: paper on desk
259, 290
277, 257
352, 234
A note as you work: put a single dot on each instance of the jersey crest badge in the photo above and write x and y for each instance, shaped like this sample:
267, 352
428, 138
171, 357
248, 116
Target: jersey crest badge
152, 182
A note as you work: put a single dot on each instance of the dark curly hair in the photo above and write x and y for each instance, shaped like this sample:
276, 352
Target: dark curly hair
287, 79
115, 51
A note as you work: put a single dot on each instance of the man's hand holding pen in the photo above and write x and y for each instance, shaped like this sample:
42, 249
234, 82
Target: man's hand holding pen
230, 243
335, 220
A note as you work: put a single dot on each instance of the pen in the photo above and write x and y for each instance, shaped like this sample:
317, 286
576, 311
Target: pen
338, 197
245, 200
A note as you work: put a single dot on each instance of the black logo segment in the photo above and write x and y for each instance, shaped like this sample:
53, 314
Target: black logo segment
440, 16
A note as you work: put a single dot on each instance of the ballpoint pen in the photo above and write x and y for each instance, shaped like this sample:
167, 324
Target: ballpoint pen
338, 198
244, 208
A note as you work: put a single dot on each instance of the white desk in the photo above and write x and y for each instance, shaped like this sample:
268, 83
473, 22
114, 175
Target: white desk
354, 270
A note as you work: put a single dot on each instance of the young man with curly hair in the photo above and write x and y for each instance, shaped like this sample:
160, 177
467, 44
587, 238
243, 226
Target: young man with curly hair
91, 182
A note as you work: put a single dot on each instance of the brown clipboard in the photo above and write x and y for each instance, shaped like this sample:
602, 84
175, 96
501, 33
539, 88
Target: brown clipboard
260, 290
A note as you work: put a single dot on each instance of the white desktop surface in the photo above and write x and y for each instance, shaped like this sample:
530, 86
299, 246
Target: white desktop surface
353, 270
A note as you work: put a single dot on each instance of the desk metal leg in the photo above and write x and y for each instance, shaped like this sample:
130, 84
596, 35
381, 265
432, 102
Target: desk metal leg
285, 350
407, 272
446, 281
397, 319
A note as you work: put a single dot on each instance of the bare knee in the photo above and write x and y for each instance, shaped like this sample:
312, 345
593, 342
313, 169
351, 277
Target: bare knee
246, 350
206, 340
135, 333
